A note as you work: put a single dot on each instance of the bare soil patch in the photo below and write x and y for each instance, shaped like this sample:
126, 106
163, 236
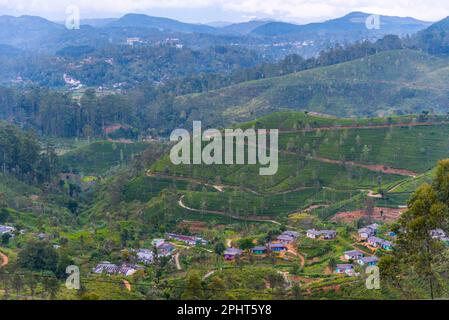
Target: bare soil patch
380, 214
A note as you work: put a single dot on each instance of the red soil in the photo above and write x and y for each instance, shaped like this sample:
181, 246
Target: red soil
380, 214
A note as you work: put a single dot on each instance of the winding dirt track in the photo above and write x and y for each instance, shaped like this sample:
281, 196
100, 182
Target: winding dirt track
220, 188
378, 168
224, 214
4, 259
178, 264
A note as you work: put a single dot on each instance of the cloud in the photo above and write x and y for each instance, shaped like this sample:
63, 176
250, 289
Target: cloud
295, 10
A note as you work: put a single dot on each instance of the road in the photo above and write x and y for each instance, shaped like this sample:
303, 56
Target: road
224, 214
127, 285
209, 274
378, 168
178, 264
220, 188
5, 260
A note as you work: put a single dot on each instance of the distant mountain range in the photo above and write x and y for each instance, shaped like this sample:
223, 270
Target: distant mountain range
354, 22
162, 24
276, 38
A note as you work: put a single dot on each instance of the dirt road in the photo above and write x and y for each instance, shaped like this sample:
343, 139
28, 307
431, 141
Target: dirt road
224, 214
178, 264
4, 259
375, 167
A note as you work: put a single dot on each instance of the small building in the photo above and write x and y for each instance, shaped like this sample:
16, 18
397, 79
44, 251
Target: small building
191, 241
6, 229
285, 239
376, 242
231, 253
343, 268
324, 234
353, 255
293, 234
259, 250
278, 247
128, 269
368, 261
313, 234
365, 233
112, 269
165, 249
157, 242
145, 256
42, 236
374, 227
437, 234
387, 245
329, 234
105, 267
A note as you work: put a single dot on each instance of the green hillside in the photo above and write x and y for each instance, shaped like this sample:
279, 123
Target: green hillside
322, 161
393, 82
98, 157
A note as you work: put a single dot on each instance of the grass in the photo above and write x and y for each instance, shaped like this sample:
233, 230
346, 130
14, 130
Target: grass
245, 203
99, 157
412, 148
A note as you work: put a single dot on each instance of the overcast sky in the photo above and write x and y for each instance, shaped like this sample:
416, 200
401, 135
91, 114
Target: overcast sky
300, 11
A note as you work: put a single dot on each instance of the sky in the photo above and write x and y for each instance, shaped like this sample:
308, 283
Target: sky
203, 11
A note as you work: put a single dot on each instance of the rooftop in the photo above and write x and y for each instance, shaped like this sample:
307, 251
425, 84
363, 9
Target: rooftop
369, 259
233, 251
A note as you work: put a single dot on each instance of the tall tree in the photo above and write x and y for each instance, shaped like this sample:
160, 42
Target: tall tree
418, 257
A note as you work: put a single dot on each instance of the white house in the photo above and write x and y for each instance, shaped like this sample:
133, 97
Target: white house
365, 233
292, 234
376, 242
437, 234
313, 234
344, 268
329, 234
325, 234
368, 261
145, 256
285, 239
6, 229
353, 255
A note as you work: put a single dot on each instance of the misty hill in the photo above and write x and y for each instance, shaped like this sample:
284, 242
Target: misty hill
349, 27
144, 21
244, 27
27, 31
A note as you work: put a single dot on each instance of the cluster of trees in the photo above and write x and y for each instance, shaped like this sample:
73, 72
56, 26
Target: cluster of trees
38, 265
434, 39
420, 263
21, 155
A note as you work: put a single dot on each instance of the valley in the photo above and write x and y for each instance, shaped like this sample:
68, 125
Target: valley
86, 177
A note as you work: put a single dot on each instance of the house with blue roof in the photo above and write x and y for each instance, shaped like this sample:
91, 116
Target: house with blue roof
368, 261
278, 247
261, 250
